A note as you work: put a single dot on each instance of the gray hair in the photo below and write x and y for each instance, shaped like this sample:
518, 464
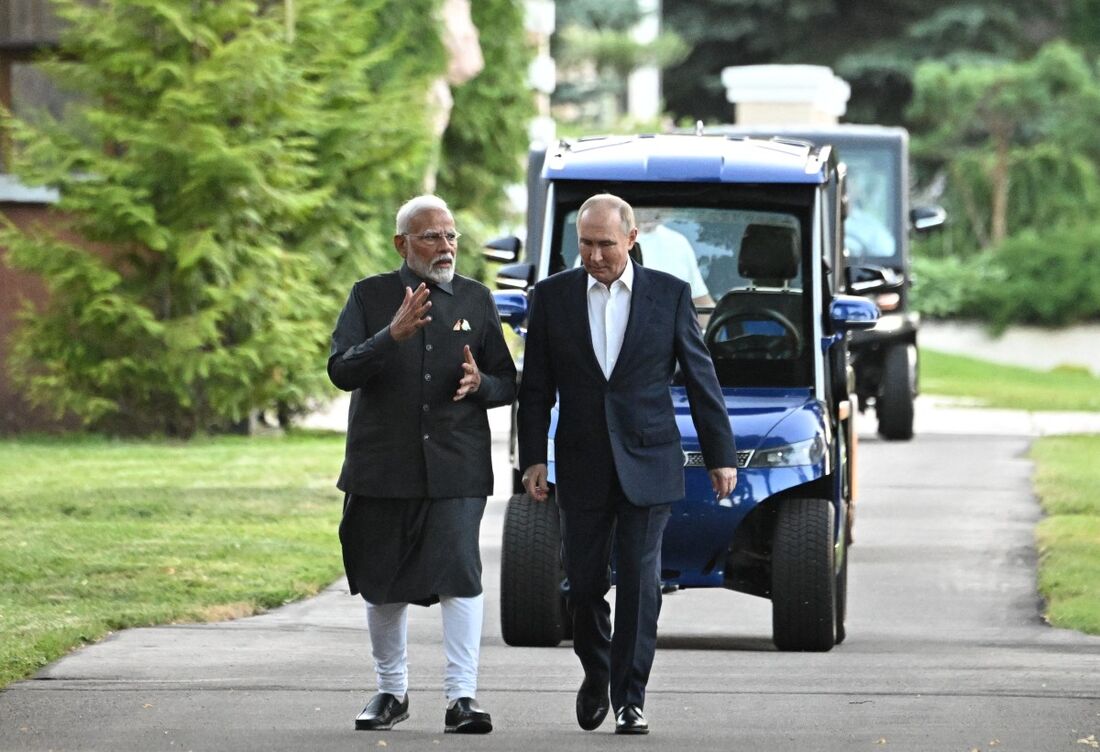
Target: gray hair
610, 201
414, 206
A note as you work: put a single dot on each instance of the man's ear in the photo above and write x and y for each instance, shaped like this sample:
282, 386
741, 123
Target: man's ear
399, 242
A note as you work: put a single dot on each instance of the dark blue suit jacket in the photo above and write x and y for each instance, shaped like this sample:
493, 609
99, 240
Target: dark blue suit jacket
626, 423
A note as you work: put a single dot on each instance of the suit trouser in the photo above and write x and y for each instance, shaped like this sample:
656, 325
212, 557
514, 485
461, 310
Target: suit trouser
388, 626
624, 658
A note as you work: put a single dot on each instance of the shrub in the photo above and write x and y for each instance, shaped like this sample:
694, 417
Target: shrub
945, 287
1047, 278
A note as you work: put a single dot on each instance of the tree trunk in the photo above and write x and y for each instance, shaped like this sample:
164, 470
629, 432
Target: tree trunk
1000, 185
974, 214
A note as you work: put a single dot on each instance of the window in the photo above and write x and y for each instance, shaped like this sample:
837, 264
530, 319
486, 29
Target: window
26, 28
749, 261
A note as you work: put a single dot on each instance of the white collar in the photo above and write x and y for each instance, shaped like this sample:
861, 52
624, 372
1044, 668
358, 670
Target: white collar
627, 278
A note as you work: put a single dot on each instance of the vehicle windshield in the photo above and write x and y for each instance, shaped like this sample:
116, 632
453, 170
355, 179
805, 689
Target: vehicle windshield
870, 230
745, 270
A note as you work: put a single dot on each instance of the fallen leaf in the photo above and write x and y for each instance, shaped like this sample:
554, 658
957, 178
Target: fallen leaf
994, 742
881, 740
382, 743
147, 705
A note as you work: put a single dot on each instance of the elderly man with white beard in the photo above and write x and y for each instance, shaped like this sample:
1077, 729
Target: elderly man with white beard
422, 351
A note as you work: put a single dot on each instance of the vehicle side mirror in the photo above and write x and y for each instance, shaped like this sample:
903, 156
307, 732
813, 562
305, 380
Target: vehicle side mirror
863, 280
516, 276
925, 218
849, 312
512, 307
503, 250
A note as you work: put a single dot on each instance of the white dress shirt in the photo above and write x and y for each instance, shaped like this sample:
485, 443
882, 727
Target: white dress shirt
667, 250
608, 310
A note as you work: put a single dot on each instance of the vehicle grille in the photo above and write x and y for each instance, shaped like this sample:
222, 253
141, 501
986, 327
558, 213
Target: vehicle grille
695, 459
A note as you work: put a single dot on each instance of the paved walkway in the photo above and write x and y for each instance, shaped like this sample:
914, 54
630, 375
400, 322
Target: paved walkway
1027, 346
944, 415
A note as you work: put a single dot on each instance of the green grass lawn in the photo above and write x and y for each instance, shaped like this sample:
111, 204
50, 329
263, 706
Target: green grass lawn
994, 385
1067, 480
98, 535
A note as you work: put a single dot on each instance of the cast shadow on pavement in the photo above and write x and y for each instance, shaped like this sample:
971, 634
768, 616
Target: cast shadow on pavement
673, 641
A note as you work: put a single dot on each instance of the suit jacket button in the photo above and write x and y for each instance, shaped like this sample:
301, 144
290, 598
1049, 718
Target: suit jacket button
427, 377
428, 347
425, 437
424, 407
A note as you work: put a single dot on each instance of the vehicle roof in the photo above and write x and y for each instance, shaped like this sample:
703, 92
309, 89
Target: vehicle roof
684, 158
838, 132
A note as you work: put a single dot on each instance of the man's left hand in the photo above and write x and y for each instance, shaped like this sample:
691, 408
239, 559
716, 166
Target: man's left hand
471, 378
723, 479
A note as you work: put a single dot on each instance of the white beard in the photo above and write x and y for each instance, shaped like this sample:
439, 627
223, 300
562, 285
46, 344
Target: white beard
439, 275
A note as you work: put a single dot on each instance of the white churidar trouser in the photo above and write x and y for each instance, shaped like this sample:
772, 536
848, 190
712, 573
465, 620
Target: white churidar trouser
388, 627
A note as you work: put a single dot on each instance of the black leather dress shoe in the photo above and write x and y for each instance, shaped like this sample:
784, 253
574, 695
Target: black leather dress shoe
592, 705
629, 720
382, 712
466, 717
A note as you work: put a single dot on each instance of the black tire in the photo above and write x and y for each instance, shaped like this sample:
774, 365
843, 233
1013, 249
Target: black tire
803, 576
531, 610
897, 392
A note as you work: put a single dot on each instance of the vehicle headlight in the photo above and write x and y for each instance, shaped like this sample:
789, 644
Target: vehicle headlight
809, 452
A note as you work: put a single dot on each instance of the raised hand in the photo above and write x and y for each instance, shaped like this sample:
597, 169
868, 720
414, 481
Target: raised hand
471, 377
412, 314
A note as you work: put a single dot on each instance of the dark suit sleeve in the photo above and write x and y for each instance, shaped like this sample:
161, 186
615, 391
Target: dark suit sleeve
537, 389
355, 356
498, 372
708, 408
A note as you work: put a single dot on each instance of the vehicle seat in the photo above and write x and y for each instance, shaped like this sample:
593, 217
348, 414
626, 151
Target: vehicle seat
769, 259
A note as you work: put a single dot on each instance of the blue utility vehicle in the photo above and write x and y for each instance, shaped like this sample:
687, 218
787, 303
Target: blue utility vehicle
756, 227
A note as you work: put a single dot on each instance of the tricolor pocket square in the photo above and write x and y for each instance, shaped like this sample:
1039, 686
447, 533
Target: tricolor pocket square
462, 325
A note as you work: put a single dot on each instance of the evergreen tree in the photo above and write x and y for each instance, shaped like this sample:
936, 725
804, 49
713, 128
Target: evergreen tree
1013, 141
597, 51
235, 170
873, 44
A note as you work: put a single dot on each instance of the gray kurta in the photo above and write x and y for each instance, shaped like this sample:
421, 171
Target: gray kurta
412, 550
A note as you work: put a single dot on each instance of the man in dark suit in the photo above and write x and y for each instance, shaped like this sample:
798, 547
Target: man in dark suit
422, 351
603, 341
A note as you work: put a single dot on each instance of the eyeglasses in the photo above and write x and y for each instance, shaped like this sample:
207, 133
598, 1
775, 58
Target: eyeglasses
434, 237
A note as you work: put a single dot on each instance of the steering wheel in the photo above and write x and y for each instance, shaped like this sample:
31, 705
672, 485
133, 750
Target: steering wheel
753, 344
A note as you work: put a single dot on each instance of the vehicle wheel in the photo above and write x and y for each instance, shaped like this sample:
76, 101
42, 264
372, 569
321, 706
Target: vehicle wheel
803, 577
531, 602
894, 403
